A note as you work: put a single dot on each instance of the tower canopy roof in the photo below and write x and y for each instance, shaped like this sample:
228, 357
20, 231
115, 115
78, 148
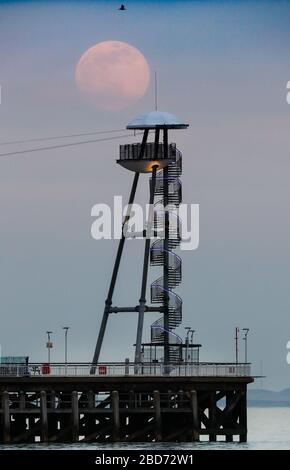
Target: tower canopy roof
156, 119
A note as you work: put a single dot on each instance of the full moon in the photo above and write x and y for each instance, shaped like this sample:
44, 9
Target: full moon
112, 75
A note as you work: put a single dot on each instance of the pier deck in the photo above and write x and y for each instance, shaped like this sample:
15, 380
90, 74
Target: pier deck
131, 408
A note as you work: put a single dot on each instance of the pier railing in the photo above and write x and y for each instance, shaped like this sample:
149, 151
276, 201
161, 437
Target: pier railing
201, 369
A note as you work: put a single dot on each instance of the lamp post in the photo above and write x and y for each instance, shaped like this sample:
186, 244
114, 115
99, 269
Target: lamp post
187, 328
65, 328
245, 338
237, 330
49, 344
191, 342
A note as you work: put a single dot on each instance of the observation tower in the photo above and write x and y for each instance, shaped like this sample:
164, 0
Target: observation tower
162, 161
166, 394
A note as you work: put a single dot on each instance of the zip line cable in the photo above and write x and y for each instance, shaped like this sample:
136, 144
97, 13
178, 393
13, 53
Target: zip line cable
38, 139
52, 147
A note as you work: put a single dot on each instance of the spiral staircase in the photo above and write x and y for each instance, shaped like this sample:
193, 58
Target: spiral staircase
158, 254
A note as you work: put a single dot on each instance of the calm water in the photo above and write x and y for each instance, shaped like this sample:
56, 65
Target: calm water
269, 428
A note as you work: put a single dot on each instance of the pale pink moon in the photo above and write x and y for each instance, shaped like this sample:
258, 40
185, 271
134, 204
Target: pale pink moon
112, 74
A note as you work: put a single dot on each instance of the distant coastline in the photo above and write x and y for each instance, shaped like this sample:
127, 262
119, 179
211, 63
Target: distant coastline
268, 398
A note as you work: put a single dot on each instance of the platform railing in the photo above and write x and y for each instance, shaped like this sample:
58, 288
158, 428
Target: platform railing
133, 151
202, 369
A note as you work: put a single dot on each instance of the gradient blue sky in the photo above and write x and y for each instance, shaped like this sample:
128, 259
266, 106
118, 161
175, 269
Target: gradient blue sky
223, 67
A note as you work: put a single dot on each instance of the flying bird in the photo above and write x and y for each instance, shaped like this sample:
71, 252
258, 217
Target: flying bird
122, 7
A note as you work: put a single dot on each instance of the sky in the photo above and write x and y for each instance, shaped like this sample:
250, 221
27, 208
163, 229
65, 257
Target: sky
222, 67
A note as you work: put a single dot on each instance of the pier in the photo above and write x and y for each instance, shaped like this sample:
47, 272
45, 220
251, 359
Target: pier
166, 394
69, 404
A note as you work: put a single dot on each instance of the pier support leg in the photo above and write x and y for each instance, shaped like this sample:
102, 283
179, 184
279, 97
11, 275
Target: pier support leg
212, 417
43, 417
91, 399
195, 420
75, 416
181, 399
116, 416
52, 400
157, 406
21, 400
6, 417
243, 416
132, 399
229, 398
169, 393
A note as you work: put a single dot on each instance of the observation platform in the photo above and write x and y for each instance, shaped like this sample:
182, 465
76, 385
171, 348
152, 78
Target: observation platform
141, 158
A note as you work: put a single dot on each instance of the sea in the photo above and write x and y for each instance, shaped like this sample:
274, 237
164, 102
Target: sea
268, 429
